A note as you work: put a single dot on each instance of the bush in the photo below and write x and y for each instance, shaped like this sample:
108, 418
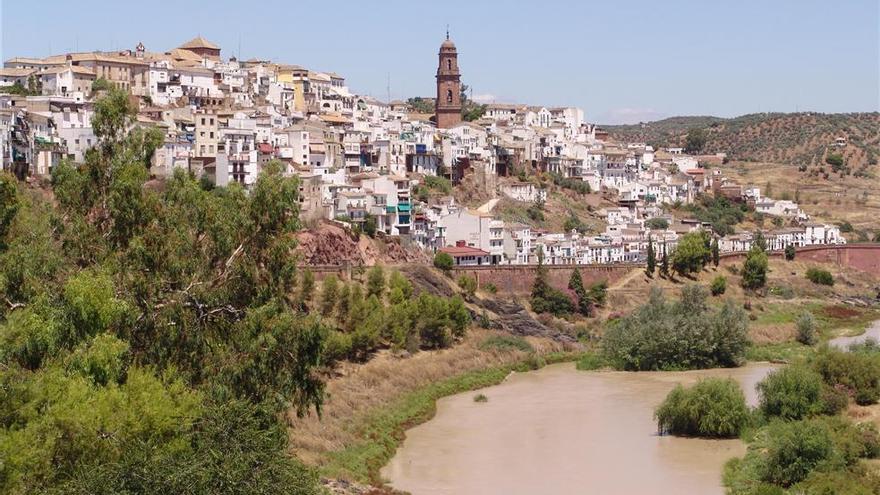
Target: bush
506, 343
657, 223
481, 398
591, 361
468, 284
790, 252
652, 336
443, 261
794, 449
490, 288
806, 328
714, 408
793, 392
856, 372
820, 276
718, 286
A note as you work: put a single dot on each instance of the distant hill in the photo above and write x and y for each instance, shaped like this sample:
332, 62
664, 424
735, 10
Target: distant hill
795, 138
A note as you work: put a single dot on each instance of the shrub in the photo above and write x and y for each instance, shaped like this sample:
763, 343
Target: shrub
858, 373
591, 361
651, 337
794, 449
820, 276
806, 328
337, 346
481, 398
468, 284
506, 343
714, 407
490, 288
790, 252
793, 392
443, 261
718, 286
657, 223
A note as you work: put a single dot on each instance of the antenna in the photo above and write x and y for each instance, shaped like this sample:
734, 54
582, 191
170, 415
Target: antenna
447, 31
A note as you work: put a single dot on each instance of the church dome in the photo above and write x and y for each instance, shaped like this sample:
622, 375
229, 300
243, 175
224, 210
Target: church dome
447, 45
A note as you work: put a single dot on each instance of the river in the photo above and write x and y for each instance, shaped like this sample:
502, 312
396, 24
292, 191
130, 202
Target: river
872, 332
563, 431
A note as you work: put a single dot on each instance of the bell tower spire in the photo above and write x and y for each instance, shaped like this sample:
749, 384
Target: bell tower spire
448, 104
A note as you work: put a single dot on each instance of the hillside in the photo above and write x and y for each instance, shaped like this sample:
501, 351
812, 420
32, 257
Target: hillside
790, 138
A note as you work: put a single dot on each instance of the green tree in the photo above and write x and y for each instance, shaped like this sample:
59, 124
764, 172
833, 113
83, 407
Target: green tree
468, 284
443, 261
754, 271
690, 255
664, 263
716, 254
306, 289
329, 294
718, 286
695, 141
790, 252
652, 259
376, 282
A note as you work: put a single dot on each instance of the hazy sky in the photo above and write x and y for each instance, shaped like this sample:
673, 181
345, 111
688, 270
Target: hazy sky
621, 61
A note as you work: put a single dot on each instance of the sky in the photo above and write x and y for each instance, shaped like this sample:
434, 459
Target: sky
621, 61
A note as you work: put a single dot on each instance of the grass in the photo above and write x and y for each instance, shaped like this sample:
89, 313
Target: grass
506, 342
591, 361
778, 352
382, 429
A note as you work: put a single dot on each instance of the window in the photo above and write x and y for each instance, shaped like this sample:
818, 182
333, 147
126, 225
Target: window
449, 63
203, 121
448, 96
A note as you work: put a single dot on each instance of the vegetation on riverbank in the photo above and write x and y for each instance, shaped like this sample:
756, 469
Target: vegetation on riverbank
713, 408
687, 334
800, 442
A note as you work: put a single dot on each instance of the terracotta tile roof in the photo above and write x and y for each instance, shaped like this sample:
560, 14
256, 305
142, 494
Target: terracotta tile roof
458, 251
199, 42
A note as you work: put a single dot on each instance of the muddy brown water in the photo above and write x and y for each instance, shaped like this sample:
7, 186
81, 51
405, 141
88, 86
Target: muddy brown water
872, 332
563, 431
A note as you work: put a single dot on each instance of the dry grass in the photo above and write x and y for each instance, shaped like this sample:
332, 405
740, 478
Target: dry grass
836, 199
378, 383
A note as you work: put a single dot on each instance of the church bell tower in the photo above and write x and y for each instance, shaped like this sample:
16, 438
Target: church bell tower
448, 106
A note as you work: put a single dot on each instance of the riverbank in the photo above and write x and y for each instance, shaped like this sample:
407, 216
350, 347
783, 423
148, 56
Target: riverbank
370, 406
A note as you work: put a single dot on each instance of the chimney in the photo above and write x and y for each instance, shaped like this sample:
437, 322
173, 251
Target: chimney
460, 244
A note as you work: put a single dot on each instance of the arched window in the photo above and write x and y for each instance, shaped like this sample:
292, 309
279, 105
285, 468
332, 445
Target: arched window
448, 96
449, 63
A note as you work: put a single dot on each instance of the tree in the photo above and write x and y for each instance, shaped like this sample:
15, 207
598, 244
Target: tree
546, 299
718, 286
835, 160
754, 272
443, 261
584, 302
376, 282
713, 408
370, 225
716, 253
657, 223
306, 289
468, 284
790, 252
690, 255
329, 294
760, 241
695, 140
664, 263
652, 259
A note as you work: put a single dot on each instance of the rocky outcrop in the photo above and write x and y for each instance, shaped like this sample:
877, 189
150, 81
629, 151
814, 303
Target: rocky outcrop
513, 317
332, 244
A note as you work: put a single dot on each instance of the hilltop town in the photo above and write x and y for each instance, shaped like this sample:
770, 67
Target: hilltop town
392, 169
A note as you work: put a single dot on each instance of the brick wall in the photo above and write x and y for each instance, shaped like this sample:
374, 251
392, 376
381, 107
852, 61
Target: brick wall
518, 279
